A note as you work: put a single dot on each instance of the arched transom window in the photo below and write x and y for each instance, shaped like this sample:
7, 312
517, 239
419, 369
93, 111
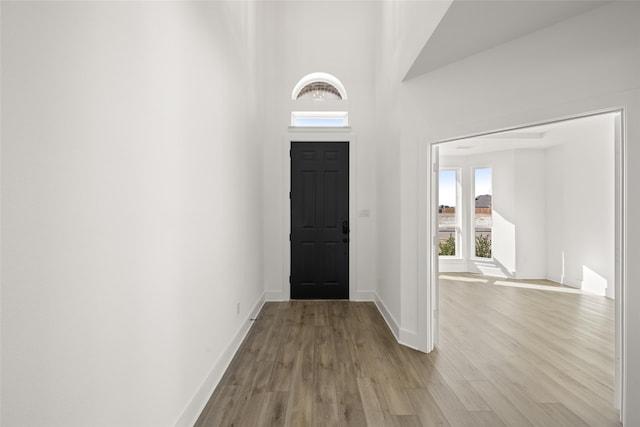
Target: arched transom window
319, 87
319, 91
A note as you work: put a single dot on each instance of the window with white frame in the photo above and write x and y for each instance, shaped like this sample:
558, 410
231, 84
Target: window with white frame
319, 102
482, 212
319, 118
449, 231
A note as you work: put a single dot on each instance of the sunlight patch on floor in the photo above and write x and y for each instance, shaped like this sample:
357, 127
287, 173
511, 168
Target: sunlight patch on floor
497, 281
563, 289
463, 279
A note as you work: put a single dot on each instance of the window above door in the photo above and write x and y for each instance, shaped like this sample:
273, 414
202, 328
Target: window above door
319, 100
319, 119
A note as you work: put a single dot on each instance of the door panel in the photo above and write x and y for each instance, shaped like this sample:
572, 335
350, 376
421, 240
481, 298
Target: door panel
319, 220
309, 189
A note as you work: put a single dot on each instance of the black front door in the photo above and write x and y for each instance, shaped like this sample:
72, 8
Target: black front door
319, 220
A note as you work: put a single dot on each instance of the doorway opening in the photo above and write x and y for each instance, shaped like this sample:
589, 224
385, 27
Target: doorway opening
557, 207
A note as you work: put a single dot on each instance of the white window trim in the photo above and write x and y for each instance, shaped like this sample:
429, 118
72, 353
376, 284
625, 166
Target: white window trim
320, 115
472, 216
459, 209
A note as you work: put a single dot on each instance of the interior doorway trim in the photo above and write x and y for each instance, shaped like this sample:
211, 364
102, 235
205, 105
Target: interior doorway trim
428, 287
320, 135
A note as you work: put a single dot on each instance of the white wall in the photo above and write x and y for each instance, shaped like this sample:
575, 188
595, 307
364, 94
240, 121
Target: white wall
584, 64
131, 208
299, 38
580, 209
403, 30
530, 200
505, 220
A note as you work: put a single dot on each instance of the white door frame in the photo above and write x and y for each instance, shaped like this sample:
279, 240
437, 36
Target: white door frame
428, 287
309, 134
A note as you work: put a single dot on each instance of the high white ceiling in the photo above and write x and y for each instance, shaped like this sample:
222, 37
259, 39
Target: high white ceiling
472, 26
533, 137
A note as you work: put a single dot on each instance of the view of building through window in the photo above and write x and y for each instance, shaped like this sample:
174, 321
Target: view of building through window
447, 217
483, 218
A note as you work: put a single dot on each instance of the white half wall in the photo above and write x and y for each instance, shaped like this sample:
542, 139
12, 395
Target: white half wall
131, 208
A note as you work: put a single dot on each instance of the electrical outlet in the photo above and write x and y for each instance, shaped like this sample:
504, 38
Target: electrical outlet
238, 309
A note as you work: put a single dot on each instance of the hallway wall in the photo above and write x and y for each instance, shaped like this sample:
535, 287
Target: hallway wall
404, 29
131, 207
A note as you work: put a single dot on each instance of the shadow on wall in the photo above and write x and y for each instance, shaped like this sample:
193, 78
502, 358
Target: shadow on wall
503, 249
491, 267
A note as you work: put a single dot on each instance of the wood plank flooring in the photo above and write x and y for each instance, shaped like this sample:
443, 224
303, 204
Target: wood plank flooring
507, 356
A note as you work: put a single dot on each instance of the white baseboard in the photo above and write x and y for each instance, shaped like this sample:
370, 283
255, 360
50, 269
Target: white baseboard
530, 276
363, 296
567, 281
452, 266
284, 296
201, 397
388, 317
276, 296
409, 339
403, 336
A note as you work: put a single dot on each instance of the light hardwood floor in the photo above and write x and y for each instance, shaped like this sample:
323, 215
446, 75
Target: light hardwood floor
507, 356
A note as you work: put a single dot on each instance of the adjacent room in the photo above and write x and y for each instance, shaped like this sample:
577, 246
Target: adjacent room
533, 203
526, 230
